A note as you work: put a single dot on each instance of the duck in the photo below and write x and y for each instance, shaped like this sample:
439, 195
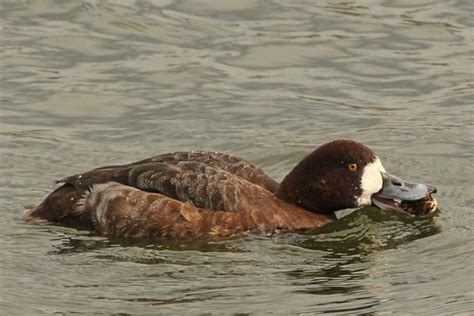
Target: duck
201, 194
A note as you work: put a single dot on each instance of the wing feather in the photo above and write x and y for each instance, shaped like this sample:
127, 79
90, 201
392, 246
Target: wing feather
209, 180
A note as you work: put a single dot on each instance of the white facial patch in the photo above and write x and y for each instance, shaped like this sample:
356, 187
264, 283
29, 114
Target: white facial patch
371, 181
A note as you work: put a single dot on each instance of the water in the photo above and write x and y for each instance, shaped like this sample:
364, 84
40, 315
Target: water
90, 83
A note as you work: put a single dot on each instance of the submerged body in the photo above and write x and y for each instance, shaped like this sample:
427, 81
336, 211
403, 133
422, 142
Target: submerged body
204, 194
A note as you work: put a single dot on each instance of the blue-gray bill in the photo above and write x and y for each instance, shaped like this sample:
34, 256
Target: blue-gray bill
399, 195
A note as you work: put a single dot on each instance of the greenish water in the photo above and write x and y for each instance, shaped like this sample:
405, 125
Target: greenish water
90, 83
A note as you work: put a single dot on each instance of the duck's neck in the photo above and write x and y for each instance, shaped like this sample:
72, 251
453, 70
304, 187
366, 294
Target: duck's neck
290, 197
300, 188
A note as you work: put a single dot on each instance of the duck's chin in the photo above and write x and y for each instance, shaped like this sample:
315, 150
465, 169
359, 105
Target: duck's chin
421, 207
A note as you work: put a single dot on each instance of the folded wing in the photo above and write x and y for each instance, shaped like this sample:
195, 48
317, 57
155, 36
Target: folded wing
207, 180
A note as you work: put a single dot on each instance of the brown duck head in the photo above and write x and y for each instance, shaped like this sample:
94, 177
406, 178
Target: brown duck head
347, 174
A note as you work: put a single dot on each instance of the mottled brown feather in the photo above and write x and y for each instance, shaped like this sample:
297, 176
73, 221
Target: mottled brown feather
121, 210
208, 180
207, 194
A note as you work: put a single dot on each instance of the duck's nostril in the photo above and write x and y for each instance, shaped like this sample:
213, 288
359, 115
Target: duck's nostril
397, 183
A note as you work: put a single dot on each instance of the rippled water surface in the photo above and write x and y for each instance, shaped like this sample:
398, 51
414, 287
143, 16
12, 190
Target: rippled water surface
90, 83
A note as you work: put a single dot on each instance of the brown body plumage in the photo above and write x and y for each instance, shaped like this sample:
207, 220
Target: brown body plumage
184, 194
121, 210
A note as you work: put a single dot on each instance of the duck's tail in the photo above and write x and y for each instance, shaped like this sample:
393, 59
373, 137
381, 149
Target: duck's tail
61, 207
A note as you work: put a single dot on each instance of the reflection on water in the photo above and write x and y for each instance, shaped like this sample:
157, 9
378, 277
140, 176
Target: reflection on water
91, 83
340, 268
90, 242
368, 230
362, 232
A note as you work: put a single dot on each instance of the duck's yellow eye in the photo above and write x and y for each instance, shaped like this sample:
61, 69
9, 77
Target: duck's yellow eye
352, 167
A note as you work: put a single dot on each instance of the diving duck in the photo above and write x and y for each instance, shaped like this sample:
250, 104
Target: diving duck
210, 194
